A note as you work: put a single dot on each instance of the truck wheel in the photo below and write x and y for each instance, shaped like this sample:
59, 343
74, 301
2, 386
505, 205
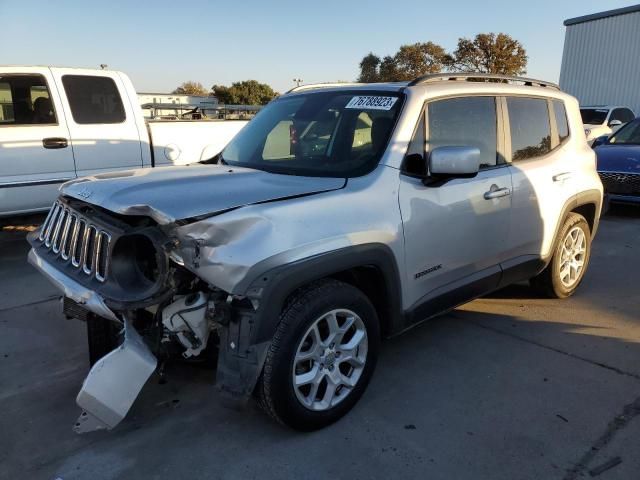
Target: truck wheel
569, 262
103, 336
322, 356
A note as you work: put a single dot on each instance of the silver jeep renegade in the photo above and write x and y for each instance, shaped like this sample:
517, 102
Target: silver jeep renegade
339, 216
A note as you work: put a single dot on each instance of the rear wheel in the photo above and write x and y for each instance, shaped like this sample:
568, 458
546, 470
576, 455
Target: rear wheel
561, 277
322, 356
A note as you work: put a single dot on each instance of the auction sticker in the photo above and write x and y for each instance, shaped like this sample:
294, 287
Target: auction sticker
372, 102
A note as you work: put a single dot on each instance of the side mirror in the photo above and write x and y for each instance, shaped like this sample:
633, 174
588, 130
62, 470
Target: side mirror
615, 123
602, 140
454, 161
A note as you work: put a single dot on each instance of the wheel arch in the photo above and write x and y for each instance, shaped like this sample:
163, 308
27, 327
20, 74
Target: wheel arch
588, 204
371, 268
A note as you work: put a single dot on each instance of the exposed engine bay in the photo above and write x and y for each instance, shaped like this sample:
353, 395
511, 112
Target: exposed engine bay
125, 271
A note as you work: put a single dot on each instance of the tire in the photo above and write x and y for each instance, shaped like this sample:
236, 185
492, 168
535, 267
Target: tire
103, 336
318, 304
553, 282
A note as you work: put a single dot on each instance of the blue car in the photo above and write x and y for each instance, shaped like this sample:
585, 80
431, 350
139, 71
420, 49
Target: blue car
619, 163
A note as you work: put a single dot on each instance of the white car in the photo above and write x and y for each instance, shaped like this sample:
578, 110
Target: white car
57, 124
599, 120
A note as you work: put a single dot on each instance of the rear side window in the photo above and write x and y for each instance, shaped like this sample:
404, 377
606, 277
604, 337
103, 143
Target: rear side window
530, 129
25, 100
467, 122
93, 100
561, 120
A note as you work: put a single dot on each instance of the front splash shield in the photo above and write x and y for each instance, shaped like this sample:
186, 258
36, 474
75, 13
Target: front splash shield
114, 382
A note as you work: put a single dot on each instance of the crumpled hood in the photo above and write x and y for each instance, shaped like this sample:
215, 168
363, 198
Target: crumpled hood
168, 194
618, 158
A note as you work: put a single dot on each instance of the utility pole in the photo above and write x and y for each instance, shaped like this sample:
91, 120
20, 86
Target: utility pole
298, 81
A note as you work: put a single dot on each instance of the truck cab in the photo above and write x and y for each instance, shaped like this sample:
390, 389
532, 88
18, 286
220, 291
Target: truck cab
59, 124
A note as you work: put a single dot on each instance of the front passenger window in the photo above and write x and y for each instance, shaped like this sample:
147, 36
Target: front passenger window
465, 122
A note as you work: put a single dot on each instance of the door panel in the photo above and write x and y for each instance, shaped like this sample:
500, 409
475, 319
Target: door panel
542, 173
452, 231
102, 123
455, 229
540, 190
31, 116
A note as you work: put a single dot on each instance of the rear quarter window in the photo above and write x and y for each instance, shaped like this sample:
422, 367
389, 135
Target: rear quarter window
562, 125
93, 99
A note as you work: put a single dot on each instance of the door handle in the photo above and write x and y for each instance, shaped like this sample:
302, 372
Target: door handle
55, 142
496, 192
562, 176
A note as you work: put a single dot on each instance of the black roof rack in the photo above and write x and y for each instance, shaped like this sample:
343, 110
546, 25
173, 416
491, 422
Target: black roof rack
470, 77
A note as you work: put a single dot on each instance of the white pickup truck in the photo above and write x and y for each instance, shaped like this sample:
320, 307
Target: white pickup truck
57, 124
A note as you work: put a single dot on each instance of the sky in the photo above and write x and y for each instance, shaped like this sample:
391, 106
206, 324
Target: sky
161, 44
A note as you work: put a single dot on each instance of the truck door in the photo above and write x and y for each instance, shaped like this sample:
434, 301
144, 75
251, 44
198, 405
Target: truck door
102, 121
35, 155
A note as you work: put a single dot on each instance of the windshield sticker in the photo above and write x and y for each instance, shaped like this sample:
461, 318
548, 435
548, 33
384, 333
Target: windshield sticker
372, 103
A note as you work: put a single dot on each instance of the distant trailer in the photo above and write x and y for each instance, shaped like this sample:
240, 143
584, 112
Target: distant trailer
600, 62
183, 111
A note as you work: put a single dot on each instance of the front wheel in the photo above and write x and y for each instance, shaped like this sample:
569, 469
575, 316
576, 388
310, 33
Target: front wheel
322, 356
561, 277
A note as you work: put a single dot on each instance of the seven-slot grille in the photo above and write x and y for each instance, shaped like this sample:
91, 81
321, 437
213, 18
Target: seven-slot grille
70, 236
621, 183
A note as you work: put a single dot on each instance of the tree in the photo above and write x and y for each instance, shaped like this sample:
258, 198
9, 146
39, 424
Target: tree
490, 53
409, 62
247, 92
191, 88
387, 71
369, 68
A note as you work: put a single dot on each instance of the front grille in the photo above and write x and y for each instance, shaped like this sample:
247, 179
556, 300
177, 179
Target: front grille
69, 235
620, 183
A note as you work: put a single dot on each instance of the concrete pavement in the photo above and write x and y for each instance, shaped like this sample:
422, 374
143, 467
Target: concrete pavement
506, 387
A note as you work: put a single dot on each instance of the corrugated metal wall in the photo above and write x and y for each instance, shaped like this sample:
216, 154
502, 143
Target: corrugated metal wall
601, 61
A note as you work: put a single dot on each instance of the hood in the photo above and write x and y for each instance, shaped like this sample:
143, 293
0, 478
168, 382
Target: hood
168, 194
618, 158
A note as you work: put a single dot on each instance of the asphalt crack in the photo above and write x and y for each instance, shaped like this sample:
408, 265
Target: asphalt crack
619, 422
553, 349
629, 412
37, 302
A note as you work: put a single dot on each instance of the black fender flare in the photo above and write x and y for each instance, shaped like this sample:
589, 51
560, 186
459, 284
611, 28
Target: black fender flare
582, 198
272, 288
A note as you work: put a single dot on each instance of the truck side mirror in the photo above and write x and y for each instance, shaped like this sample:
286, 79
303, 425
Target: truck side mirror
615, 123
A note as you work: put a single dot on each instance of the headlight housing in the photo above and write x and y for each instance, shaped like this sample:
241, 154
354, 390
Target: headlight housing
134, 263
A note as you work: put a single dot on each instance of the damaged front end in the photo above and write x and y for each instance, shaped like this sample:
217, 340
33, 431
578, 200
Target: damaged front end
128, 270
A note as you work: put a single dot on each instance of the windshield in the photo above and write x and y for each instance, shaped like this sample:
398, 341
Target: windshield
627, 135
329, 134
593, 116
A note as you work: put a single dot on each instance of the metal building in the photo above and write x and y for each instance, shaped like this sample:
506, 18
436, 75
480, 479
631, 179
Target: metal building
601, 58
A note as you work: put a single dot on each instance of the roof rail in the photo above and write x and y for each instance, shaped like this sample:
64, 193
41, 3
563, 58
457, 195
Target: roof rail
468, 76
311, 86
